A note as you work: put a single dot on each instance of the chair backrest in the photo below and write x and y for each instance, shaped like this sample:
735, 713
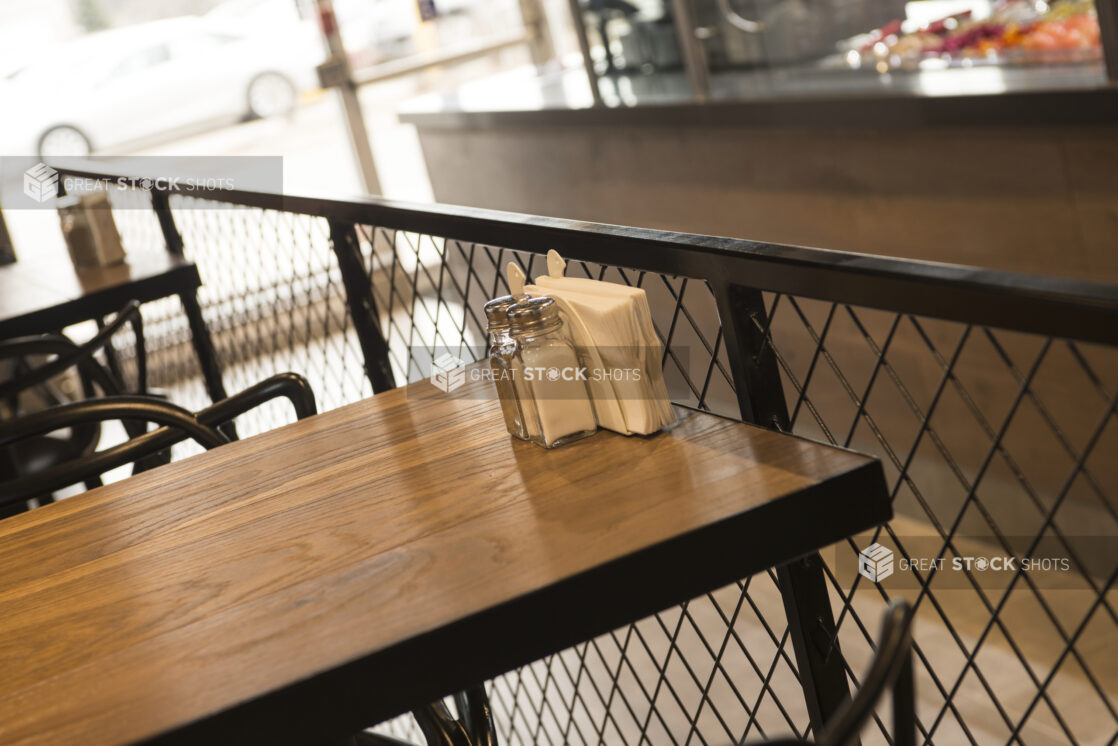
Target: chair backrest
68, 355
177, 424
891, 669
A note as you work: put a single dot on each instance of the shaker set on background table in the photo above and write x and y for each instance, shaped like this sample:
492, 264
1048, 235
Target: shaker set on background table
569, 355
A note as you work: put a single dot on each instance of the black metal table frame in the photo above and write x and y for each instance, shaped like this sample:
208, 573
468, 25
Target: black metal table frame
182, 281
736, 271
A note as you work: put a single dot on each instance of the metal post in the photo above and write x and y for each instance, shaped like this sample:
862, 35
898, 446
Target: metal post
540, 44
362, 306
335, 73
200, 338
7, 253
803, 587
694, 56
811, 626
1107, 11
206, 353
579, 21
171, 235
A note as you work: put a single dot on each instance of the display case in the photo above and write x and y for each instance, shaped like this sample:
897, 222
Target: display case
727, 49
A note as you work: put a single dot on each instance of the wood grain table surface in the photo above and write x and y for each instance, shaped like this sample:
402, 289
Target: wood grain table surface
299, 585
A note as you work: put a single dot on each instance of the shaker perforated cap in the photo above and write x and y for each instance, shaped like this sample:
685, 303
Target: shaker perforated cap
496, 310
532, 313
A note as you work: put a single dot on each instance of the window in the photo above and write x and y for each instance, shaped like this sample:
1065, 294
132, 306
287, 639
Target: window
140, 61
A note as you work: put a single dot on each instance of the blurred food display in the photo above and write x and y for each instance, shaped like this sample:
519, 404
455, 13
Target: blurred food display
1019, 32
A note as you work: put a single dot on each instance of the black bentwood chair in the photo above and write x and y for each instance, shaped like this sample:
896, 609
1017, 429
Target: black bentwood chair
27, 378
472, 727
68, 354
891, 669
177, 424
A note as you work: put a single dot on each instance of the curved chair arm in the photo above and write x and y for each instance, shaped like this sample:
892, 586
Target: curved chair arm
290, 385
891, 668
19, 347
294, 387
109, 408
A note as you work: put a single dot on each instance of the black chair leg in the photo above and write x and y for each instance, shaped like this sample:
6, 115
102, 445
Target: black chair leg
904, 706
476, 716
439, 727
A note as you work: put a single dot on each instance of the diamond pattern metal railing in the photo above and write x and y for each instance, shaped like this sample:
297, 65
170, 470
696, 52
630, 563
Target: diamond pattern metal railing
1005, 436
954, 356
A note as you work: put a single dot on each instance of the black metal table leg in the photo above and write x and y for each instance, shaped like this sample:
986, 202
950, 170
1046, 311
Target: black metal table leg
207, 354
811, 626
803, 586
362, 306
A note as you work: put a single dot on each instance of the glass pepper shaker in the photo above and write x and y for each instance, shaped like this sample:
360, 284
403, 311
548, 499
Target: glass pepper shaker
502, 351
551, 381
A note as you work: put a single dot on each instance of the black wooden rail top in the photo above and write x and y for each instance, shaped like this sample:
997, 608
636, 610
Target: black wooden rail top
1073, 309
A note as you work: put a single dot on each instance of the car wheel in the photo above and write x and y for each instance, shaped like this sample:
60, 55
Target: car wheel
270, 94
64, 141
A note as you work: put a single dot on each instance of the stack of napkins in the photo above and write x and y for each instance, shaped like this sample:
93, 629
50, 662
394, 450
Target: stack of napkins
612, 326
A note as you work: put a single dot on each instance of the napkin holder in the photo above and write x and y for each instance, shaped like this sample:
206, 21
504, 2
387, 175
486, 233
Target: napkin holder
91, 234
611, 325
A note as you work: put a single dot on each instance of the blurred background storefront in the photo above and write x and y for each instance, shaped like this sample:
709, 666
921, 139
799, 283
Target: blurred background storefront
217, 77
972, 131
969, 131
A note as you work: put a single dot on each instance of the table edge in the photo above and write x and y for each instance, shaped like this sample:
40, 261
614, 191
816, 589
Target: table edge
114, 298
342, 701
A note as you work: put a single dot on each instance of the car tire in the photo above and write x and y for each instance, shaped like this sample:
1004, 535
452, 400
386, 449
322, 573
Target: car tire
269, 95
64, 140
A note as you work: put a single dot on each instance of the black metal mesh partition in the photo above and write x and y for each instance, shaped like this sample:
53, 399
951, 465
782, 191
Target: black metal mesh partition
995, 439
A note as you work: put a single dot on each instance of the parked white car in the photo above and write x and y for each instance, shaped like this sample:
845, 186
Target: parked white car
135, 83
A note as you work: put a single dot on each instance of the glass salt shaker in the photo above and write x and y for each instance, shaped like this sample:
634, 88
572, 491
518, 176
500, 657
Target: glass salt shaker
549, 377
502, 351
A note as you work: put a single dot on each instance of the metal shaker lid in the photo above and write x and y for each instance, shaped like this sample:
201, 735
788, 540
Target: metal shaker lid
496, 310
532, 313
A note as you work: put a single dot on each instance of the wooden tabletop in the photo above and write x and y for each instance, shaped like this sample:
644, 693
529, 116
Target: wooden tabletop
40, 294
307, 582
